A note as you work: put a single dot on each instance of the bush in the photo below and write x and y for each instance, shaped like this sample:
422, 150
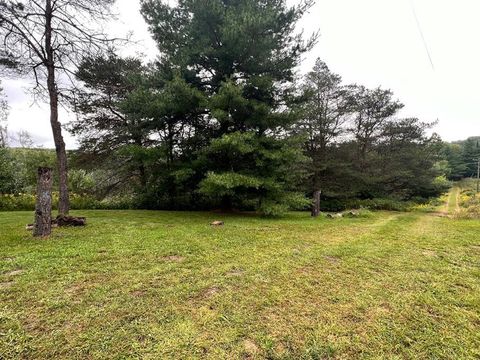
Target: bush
339, 205
270, 209
470, 205
471, 212
441, 184
381, 204
118, 203
81, 182
16, 202
333, 205
26, 202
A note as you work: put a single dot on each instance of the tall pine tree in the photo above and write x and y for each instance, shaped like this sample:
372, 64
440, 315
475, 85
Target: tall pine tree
241, 54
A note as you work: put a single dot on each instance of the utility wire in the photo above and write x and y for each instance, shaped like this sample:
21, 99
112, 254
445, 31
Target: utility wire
421, 34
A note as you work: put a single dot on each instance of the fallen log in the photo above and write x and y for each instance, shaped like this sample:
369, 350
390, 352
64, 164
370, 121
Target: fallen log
66, 220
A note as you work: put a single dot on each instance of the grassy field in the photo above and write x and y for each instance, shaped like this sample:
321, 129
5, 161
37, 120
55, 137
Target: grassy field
160, 285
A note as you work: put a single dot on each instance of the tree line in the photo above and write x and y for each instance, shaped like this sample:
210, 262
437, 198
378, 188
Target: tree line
460, 158
223, 120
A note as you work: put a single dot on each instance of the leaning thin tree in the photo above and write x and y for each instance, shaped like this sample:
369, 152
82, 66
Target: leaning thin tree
46, 39
3, 119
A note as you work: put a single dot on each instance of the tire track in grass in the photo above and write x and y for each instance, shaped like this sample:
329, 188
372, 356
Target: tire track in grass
453, 202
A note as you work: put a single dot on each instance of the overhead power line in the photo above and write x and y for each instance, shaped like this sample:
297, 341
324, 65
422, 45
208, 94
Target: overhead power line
421, 34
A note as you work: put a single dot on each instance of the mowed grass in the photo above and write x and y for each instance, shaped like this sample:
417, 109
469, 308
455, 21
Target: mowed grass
452, 202
167, 285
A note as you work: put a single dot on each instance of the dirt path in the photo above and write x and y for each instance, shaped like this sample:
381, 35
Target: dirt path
457, 201
453, 201
452, 204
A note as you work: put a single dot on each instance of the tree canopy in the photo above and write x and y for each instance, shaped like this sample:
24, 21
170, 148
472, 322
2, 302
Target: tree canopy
223, 119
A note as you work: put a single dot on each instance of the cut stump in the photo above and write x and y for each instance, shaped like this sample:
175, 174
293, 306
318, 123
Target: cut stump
43, 205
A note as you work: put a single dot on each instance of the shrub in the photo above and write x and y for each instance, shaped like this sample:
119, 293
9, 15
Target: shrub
381, 204
470, 206
26, 202
15, 202
429, 207
471, 212
333, 205
118, 203
82, 202
271, 209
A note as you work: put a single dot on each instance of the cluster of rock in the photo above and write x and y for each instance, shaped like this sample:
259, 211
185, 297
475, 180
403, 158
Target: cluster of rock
349, 214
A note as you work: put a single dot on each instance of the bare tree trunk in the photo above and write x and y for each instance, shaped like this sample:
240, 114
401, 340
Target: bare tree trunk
63, 201
3, 137
43, 207
316, 203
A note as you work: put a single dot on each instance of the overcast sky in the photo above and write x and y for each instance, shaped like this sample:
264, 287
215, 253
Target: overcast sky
370, 42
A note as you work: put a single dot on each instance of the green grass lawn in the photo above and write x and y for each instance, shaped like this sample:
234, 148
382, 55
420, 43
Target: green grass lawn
160, 285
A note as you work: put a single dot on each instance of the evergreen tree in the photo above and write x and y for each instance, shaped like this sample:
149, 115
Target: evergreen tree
172, 113
110, 138
471, 155
241, 55
407, 157
455, 166
324, 115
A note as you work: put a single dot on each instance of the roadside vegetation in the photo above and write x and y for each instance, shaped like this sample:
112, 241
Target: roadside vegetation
467, 199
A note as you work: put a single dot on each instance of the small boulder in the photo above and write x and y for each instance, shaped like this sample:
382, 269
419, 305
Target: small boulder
335, 216
352, 213
250, 347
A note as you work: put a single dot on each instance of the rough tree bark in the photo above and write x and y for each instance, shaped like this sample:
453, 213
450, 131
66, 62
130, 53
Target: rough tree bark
316, 203
63, 200
43, 207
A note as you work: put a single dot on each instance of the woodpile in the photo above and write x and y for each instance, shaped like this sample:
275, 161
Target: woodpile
63, 220
66, 220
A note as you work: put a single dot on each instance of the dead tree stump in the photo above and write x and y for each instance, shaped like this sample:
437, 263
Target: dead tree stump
43, 206
316, 203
